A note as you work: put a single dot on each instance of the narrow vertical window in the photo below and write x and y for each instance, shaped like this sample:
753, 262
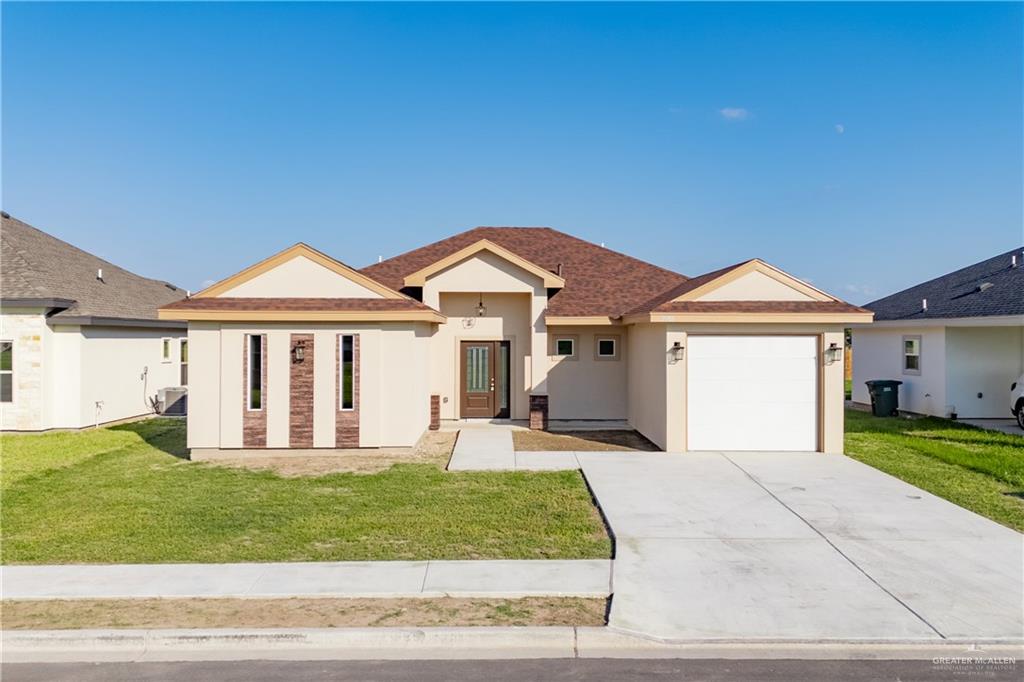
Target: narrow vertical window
6, 371
184, 362
165, 350
346, 374
255, 372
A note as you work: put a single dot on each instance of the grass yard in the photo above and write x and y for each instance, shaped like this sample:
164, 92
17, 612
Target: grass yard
980, 470
127, 495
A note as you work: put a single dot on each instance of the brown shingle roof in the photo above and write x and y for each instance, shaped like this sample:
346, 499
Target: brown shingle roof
598, 281
758, 307
36, 265
298, 304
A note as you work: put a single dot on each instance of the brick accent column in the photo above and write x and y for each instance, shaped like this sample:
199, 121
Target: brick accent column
254, 422
538, 412
346, 422
300, 392
435, 412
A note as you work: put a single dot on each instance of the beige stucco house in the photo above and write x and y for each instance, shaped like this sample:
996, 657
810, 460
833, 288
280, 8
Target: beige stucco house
303, 351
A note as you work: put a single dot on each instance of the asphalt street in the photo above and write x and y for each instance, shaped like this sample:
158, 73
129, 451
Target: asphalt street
555, 670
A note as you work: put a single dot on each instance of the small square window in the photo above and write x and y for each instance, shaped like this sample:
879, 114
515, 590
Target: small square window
606, 348
565, 347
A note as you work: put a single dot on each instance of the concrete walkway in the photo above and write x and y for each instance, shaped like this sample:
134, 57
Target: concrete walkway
781, 546
389, 579
489, 448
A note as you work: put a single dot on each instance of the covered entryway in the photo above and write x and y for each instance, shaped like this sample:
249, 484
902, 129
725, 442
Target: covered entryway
752, 393
485, 379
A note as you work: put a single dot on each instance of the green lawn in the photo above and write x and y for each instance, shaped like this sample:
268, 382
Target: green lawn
125, 495
980, 470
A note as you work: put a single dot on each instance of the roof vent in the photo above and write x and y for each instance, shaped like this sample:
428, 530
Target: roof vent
924, 304
99, 274
1013, 261
558, 270
985, 286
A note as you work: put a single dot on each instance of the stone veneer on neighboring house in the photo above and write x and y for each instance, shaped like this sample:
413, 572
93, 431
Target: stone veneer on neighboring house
26, 334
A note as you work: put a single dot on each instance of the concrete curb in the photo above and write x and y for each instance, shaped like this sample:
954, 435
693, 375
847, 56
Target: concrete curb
23, 646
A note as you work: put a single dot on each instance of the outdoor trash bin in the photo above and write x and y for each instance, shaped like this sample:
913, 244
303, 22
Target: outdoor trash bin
885, 397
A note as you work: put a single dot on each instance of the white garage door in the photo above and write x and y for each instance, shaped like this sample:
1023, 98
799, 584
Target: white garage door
752, 393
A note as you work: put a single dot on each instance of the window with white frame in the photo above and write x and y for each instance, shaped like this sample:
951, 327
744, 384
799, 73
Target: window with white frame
183, 356
254, 372
6, 371
346, 372
565, 347
911, 354
606, 348
165, 350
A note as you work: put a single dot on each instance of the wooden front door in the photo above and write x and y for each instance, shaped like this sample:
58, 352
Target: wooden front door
485, 379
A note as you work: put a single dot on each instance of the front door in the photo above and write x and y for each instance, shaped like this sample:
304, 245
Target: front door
485, 373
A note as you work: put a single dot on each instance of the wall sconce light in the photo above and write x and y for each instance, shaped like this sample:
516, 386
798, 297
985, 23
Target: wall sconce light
298, 352
481, 309
834, 353
676, 351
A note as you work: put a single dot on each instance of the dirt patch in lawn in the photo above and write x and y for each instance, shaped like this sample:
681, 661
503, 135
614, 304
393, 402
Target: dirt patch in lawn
582, 441
434, 447
293, 613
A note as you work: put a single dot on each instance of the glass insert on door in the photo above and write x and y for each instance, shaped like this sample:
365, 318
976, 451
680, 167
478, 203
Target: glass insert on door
478, 369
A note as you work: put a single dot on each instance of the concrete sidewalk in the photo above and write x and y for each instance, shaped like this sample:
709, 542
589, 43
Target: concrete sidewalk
349, 579
489, 448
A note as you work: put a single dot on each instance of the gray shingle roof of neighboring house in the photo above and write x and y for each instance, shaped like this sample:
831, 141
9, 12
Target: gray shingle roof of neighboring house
35, 266
989, 288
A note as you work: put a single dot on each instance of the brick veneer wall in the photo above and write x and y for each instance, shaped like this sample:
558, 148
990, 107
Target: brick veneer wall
435, 412
538, 412
300, 393
254, 422
346, 422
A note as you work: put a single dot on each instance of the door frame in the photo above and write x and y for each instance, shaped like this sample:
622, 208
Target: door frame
495, 344
819, 338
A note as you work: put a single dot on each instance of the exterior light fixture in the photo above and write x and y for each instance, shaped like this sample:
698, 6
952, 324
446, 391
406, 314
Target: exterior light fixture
834, 353
676, 351
298, 352
481, 309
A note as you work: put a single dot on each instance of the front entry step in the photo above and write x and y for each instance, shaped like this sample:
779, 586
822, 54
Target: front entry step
483, 449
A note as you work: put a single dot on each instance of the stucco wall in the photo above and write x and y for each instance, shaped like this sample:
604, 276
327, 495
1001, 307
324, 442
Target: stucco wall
300, 277
982, 360
508, 319
394, 407
586, 387
878, 354
755, 286
647, 365
122, 369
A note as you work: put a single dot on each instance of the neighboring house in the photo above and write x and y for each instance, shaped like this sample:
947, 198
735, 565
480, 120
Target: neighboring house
302, 351
956, 342
80, 342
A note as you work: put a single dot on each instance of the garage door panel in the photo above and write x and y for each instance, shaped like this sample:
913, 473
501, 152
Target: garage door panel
752, 393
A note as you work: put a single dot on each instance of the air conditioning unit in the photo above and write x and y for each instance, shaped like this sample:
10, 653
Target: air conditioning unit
173, 401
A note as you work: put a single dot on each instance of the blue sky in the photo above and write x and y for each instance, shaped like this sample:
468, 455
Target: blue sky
862, 147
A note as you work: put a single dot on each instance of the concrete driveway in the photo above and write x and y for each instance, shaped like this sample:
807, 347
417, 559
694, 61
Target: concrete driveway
726, 546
